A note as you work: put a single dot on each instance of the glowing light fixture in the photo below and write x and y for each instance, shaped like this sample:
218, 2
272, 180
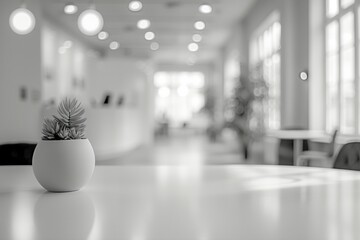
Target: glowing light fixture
90, 22
196, 38
205, 8
103, 35
149, 36
193, 47
143, 24
114, 45
22, 21
199, 25
304, 75
70, 8
154, 46
135, 6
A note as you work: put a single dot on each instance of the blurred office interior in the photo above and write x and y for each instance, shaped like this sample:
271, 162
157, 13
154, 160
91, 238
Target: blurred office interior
183, 81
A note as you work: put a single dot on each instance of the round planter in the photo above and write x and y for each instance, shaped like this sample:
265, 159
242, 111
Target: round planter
63, 165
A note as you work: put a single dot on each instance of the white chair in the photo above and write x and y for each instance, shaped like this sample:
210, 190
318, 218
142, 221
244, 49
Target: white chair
306, 157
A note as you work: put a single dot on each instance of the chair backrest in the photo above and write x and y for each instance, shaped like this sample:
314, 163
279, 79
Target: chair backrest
348, 157
332, 143
16, 153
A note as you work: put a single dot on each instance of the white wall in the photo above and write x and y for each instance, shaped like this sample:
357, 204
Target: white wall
114, 129
294, 54
317, 65
20, 66
65, 70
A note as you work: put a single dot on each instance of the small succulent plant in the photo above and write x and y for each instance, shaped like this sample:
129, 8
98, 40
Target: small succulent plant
68, 125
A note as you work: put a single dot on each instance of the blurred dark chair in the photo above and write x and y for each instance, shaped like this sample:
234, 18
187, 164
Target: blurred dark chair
348, 157
286, 149
327, 157
16, 153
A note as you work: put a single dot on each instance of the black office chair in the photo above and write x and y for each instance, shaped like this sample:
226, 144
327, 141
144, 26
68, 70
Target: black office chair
16, 153
348, 157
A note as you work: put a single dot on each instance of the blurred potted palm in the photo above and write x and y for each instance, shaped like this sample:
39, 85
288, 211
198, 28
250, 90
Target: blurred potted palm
209, 109
244, 111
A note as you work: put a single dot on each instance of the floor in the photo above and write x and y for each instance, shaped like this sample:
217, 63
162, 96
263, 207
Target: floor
184, 147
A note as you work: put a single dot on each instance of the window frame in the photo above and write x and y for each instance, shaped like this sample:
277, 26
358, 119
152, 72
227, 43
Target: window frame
355, 9
255, 60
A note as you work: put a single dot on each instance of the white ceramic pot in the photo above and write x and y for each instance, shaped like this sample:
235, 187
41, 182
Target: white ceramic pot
63, 165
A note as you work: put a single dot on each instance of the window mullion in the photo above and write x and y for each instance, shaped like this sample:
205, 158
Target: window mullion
339, 75
356, 80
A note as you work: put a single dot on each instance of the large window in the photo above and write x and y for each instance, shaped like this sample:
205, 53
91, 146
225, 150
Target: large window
342, 97
180, 97
265, 55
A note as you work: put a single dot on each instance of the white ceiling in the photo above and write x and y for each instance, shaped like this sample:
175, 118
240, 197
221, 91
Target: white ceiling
171, 20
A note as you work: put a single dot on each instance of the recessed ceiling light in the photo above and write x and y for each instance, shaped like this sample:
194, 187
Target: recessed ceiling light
193, 47
205, 8
135, 6
149, 36
22, 21
154, 46
114, 45
199, 25
143, 24
90, 22
196, 38
70, 8
103, 35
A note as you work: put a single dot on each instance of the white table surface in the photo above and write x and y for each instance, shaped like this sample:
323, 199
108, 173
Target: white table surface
297, 134
185, 203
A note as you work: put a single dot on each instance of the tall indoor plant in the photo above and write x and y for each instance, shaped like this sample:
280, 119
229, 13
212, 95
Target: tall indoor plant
64, 159
245, 112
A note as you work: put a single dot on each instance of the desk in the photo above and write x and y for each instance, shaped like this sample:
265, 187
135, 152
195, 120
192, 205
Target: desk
185, 203
297, 136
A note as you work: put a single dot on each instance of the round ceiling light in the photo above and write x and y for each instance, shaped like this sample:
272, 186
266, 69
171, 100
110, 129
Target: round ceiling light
90, 22
143, 24
22, 21
193, 47
199, 25
135, 6
149, 36
205, 8
70, 8
196, 38
114, 45
103, 35
154, 46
